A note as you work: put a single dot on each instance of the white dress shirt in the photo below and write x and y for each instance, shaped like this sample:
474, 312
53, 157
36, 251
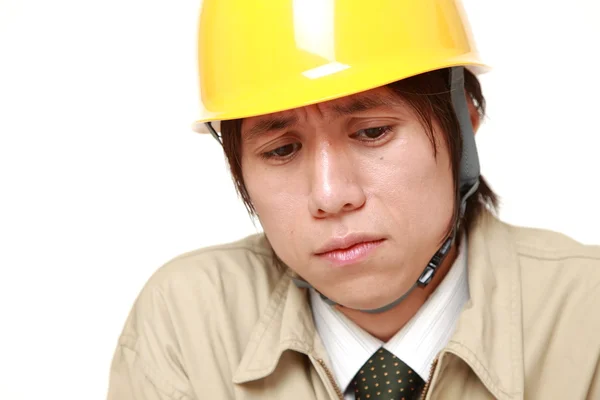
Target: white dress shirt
417, 343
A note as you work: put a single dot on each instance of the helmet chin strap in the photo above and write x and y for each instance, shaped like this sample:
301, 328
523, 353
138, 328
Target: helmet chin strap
468, 184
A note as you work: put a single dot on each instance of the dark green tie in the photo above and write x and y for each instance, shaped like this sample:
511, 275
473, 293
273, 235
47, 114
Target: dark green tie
386, 377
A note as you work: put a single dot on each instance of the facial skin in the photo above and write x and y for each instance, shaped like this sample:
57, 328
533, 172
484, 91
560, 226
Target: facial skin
345, 169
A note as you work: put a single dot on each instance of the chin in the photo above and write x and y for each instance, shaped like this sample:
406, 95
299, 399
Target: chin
372, 295
365, 302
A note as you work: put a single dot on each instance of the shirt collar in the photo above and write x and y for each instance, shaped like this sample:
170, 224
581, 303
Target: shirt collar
417, 343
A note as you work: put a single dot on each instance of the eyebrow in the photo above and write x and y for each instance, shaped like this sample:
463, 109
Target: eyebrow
356, 105
269, 125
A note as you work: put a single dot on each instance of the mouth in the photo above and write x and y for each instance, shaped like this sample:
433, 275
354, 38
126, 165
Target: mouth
349, 250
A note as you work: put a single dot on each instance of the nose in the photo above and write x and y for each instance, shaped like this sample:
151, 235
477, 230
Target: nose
335, 184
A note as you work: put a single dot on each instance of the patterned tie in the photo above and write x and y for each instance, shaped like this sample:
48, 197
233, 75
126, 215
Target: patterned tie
386, 377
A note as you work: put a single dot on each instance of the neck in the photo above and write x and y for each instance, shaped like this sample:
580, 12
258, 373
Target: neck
385, 325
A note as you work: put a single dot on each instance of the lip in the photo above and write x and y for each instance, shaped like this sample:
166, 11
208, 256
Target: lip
349, 249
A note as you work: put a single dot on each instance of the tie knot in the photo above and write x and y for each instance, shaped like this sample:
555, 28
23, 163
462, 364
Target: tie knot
384, 376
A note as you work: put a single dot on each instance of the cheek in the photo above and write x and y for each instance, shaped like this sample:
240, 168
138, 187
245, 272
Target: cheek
417, 188
280, 207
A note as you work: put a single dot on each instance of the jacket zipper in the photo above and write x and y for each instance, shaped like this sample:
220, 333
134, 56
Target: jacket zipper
427, 384
338, 391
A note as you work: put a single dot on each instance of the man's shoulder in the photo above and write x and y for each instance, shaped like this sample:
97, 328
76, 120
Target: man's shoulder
552, 262
547, 245
201, 299
559, 281
223, 278
194, 292
247, 258
542, 255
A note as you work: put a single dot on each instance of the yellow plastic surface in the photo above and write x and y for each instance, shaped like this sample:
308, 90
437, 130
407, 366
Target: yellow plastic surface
261, 56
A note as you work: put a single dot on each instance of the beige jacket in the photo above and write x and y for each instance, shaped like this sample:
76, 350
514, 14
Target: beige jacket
224, 323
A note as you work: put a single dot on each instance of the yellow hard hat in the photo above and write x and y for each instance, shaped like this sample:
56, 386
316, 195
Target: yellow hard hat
262, 56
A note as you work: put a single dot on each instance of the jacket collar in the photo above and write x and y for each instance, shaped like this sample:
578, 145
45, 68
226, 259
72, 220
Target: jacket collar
286, 324
488, 335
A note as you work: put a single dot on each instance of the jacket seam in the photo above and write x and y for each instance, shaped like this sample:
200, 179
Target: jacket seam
516, 322
574, 250
150, 373
548, 255
208, 250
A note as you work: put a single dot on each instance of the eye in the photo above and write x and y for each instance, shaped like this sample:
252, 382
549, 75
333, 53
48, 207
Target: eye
282, 152
372, 134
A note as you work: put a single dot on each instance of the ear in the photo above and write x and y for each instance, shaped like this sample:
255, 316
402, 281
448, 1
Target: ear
473, 113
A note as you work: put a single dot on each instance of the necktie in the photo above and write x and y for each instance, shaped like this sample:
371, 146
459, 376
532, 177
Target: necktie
386, 377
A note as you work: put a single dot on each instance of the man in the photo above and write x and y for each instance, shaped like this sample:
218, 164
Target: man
382, 272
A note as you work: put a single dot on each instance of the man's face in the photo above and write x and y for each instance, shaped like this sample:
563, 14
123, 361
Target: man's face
350, 194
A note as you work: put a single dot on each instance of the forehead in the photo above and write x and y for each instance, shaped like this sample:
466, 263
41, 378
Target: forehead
378, 98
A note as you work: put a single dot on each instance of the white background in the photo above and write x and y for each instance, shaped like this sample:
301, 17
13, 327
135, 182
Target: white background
102, 180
